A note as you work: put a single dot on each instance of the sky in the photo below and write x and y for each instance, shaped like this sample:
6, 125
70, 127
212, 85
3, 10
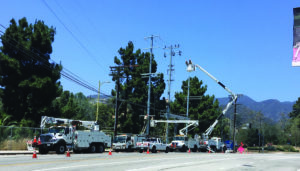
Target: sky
247, 45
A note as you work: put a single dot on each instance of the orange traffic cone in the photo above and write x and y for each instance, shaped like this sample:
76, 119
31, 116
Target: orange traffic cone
68, 153
109, 153
39, 142
34, 140
209, 150
34, 156
148, 151
189, 150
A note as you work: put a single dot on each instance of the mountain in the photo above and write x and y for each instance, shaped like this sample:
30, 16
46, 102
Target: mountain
271, 108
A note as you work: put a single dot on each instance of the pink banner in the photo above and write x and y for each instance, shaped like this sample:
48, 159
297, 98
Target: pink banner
296, 55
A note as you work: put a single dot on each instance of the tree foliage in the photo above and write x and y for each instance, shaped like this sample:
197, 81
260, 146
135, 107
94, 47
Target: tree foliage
203, 108
29, 82
296, 110
134, 88
73, 106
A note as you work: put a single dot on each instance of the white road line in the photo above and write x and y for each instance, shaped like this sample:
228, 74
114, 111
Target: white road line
137, 161
180, 164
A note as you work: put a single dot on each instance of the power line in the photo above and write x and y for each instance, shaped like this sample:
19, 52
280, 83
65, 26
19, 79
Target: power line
72, 34
65, 72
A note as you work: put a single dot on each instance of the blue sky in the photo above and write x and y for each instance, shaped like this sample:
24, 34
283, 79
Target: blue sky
247, 45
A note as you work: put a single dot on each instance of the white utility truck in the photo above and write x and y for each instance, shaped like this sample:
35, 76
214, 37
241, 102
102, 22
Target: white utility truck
126, 142
214, 144
66, 134
152, 144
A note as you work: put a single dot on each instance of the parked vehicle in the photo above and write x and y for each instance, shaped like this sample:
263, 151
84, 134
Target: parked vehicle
66, 134
126, 142
152, 144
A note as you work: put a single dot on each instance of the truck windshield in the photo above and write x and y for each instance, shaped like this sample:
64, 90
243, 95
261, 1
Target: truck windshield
57, 130
120, 139
151, 140
178, 138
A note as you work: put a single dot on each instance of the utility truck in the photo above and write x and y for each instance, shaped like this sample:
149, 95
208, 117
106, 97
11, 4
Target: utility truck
182, 142
66, 134
152, 144
126, 142
214, 144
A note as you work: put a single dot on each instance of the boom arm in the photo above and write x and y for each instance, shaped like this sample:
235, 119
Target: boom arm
192, 67
181, 131
51, 120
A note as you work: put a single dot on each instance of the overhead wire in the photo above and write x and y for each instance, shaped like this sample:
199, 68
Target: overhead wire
72, 34
70, 76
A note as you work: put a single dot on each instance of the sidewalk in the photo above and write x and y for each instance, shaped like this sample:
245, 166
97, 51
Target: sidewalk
15, 152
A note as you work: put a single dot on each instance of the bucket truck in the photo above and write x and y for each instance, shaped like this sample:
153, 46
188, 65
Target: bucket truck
67, 133
215, 143
181, 142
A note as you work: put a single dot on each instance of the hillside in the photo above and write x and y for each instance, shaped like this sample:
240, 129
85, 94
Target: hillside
271, 108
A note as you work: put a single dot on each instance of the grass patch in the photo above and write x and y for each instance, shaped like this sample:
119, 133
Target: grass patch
19, 144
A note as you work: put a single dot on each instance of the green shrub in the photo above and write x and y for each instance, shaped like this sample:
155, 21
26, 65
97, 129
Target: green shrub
271, 148
279, 148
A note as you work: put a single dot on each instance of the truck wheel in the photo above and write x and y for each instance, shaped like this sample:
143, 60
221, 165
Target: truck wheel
183, 148
100, 148
194, 149
129, 149
141, 151
167, 150
153, 149
43, 150
92, 148
60, 148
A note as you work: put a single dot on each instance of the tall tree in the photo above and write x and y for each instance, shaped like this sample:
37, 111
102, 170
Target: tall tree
29, 81
203, 108
135, 87
296, 110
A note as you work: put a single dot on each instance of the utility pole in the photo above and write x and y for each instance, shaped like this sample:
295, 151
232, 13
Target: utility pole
115, 72
234, 120
187, 103
98, 101
172, 53
149, 88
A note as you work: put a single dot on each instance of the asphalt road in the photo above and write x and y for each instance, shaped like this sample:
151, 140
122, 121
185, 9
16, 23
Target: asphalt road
158, 161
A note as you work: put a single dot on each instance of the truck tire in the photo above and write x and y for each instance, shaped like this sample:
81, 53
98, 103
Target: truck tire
129, 149
92, 148
140, 150
153, 149
100, 148
183, 148
167, 150
194, 149
224, 149
43, 150
60, 148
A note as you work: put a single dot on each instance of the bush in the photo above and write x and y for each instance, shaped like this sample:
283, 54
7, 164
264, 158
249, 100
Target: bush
271, 148
289, 148
279, 148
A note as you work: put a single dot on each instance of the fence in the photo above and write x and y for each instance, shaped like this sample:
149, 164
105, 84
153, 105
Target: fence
15, 138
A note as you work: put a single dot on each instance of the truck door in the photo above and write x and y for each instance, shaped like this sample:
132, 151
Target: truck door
69, 135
